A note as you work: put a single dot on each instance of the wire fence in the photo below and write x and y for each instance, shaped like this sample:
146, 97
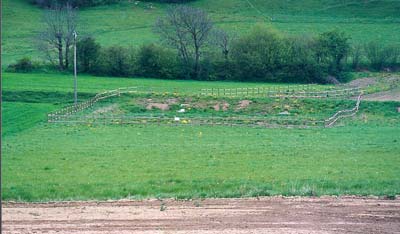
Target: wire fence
72, 109
70, 114
281, 92
343, 114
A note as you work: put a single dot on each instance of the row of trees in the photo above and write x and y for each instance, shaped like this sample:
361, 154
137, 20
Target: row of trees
88, 3
73, 3
193, 48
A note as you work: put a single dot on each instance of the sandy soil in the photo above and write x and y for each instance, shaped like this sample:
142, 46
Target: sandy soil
211, 216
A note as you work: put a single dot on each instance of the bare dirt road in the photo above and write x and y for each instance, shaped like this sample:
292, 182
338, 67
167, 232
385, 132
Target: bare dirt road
233, 216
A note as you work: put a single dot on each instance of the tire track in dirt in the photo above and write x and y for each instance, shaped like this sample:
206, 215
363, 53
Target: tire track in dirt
210, 216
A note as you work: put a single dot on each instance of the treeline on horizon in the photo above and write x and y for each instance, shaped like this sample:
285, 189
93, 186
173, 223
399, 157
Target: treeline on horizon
89, 3
200, 51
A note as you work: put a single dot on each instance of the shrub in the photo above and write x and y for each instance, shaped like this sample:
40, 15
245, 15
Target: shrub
301, 65
115, 61
356, 54
218, 68
169, 1
158, 62
331, 48
22, 65
380, 56
74, 3
258, 55
87, 53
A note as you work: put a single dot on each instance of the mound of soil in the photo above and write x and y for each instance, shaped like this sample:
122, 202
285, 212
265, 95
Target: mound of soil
224, 106
161, 106
243, 104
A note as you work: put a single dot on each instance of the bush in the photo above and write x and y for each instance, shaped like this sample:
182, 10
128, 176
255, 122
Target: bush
22, 65
155, 61
74, 3
265, 55
356, 54
169, 1
87, 53
258, 55
115, 61
301, 65
217, 68
381, 57
331, 48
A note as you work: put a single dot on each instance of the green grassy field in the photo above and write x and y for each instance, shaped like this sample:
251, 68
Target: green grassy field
43, 161
52, 162
55, 82
131, 25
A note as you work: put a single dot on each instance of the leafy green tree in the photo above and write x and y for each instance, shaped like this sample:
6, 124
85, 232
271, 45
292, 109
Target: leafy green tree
259, 54
331, 49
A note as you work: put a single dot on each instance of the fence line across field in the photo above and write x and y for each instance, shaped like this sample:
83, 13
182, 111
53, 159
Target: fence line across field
66, 114
343, 113
271, 92
214, 121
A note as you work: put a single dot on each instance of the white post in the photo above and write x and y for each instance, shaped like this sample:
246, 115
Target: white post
75, 74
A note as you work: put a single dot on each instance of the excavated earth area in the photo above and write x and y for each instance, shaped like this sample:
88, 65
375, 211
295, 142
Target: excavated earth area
209, 216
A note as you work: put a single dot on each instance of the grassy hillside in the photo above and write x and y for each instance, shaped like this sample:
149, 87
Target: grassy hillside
131, 25
92, 84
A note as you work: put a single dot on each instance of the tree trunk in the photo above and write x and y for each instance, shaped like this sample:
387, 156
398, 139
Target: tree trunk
66, 55
60, 54
196, 64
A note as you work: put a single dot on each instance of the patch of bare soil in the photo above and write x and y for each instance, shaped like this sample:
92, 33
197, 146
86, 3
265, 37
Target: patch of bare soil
224, 106
391, 95
172, 101
362, 82
106, 109
161, 106
210, 216
243, 104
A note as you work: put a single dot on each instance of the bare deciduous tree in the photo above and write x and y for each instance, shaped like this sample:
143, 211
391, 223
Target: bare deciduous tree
187, 29
59, 24
222, 40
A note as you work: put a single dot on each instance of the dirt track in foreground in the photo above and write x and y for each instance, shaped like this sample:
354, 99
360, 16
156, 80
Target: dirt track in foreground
233, 216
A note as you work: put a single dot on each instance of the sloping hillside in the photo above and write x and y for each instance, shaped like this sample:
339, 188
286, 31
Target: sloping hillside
130, 23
